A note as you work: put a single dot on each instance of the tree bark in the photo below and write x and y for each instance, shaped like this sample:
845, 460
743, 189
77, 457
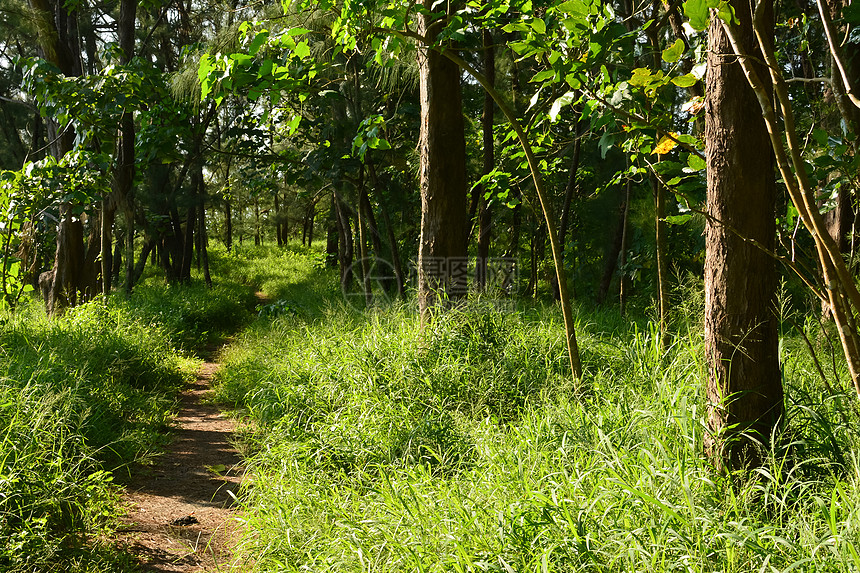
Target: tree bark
485, 214
442, 262
744, 392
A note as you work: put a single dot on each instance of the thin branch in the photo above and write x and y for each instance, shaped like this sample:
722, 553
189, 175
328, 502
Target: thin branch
834, 51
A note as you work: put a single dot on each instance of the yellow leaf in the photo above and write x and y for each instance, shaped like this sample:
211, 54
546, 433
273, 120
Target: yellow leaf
665, 145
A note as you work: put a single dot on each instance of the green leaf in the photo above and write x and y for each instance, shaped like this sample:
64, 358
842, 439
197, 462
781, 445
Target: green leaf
674, 52
695, 162
685, 81
678, 219
539, 26
575, 8
543, 76
561, 102
607, 140
258, 41
303, 50
697, 12
641, 77
726, 13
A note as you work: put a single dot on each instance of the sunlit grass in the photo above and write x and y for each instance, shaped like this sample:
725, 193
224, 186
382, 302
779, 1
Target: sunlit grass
86, 398
378, 447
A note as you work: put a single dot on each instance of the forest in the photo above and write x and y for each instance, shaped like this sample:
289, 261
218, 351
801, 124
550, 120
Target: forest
514, 285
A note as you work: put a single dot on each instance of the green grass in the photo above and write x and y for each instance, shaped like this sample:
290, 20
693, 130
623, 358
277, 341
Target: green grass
376, 447
86, 398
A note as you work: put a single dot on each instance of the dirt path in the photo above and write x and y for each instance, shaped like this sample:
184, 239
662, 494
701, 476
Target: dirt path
179, 511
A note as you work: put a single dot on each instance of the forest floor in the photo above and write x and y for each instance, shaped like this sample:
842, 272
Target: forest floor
179, 511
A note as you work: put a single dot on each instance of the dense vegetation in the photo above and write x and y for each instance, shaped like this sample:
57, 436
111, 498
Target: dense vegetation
86, 399
587, 298
376, 447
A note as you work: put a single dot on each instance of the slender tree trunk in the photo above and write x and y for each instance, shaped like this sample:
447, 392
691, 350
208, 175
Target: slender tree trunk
331, 244
107, 220
345, 252
744, 393
442, 262
228, 226
485, 216
610, 261
257, 241
278, 224
204, 247
662, 267
623, 283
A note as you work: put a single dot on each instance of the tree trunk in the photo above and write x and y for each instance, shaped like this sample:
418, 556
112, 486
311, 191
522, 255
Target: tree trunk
610, 261
345, 252
278, 225
204, 246
331, 243
442, 262
485, 215
228, 226
362, 244
662, 267
744, 392
257, 241
623, 285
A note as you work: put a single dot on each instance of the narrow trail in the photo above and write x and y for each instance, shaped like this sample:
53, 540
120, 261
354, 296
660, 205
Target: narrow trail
179, 516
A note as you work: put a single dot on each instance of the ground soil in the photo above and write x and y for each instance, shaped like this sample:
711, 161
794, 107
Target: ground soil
179, 511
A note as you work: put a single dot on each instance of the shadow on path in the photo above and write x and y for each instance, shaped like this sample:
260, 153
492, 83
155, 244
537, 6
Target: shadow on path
179, 511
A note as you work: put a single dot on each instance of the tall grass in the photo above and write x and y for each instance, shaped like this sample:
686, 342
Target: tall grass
85, 398
376, 447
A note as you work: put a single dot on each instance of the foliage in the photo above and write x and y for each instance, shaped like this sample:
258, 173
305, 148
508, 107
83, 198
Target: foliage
80, 397
464, 448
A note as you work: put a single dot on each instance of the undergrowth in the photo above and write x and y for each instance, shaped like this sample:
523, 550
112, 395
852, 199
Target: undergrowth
375, 446
84, 399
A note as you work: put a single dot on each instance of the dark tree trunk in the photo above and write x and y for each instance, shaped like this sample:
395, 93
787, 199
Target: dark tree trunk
116, 263
610, 260
744, 392
257, 241
331, 242
204, 247
345, 252
485, 215
662, 266
442, 262
148, 246
228, 230
278, 224
623, 283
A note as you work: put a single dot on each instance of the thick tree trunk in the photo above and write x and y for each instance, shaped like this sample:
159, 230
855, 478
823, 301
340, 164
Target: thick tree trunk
744, 393
442, 262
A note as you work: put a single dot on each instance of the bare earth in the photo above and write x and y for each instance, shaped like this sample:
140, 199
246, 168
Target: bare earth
179, 511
